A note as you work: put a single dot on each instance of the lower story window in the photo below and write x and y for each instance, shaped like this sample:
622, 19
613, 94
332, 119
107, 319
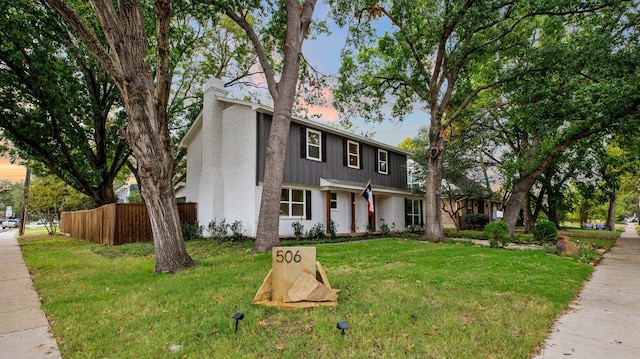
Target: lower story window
334, 200
413, 213
292, 203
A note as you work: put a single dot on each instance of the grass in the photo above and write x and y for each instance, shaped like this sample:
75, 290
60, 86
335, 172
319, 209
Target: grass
584, 237
400, 298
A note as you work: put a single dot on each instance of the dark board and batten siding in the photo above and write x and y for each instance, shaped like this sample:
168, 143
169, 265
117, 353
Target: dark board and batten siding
302, 171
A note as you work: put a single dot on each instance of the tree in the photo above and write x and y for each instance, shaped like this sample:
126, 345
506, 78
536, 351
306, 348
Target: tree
461, 171
278, 46
75, 138
438, 55
48, 196
10, 195
145, 93
593, 95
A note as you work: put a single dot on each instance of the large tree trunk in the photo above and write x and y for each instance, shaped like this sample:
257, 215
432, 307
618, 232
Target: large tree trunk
283, 94
268, 234
145, 100
611, 213
517, 202
433, 182
529, 219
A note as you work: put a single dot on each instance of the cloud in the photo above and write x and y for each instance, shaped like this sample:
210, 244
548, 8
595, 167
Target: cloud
326, 111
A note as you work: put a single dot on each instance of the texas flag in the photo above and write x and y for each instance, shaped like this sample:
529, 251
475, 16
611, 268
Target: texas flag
368, 195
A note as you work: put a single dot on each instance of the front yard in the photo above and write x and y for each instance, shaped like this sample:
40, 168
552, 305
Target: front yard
401, 298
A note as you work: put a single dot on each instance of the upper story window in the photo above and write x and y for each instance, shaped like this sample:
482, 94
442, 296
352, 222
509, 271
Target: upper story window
353, 154
292, 203
333, 200
314, 145
383, 161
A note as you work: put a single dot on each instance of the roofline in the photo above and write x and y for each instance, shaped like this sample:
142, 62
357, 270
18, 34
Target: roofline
314, 124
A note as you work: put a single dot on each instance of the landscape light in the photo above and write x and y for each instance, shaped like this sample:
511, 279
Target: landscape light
238, 317
342, 326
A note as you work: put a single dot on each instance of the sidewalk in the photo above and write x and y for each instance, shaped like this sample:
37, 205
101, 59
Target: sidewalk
605, 318
24, 329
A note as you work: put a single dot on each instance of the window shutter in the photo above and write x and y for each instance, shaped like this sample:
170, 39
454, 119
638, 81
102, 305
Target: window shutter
346, 152
303, 142
323, 141
376, 158
308, 203
421, 215
360, 157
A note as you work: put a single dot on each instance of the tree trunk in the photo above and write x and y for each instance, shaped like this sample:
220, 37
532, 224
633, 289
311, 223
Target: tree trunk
171, 253
516, 202
152, 148
145, 99
283, 94
268, 234
433, 182
529, 219
611, 213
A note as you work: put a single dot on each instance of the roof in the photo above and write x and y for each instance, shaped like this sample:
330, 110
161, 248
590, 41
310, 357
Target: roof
329, 184
197, 125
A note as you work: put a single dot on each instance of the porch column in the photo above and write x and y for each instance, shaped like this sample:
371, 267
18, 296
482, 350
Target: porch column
353, 212
327, 206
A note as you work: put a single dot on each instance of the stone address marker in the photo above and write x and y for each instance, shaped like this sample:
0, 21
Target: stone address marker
296, 280
289, 263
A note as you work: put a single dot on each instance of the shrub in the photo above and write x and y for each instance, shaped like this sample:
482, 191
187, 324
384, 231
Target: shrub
497, 233
333, 228
298, 230
316, 232
545, 231
384, 228
237, 230
218, 231
191, 231
476, 220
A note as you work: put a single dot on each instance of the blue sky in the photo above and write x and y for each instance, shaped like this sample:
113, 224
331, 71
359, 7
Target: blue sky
324, 54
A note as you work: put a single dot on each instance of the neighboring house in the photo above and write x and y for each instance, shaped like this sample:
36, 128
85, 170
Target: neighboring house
466, 205
123, 192
469, 205
326, 170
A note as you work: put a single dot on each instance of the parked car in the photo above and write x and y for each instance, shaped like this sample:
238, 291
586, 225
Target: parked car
11, 223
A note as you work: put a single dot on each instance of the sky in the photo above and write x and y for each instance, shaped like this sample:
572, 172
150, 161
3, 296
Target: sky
324, 54
11, 172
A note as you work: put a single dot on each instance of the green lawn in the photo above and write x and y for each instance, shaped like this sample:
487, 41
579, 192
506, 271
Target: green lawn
400, 298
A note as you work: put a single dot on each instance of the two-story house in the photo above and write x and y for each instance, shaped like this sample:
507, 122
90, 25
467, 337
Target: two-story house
326, 171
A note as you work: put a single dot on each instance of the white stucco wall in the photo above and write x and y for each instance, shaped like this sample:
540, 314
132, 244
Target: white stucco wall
238, 169
194, 168
211, 188
391, 210
342, 215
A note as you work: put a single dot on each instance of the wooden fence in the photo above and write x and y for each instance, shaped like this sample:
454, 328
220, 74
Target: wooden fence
117, 223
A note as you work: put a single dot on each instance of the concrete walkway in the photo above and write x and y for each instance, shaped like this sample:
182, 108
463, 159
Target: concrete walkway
605, 318
24, 329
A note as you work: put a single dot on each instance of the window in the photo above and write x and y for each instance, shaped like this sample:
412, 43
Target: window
295, 203
314, 145
383, 161
413, 213
412, 180
333, 200
353, 154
